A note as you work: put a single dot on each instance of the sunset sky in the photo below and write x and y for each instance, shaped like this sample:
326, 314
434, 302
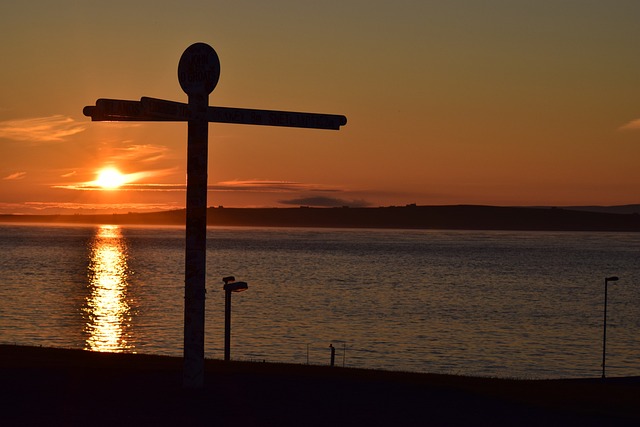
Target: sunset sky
496, 102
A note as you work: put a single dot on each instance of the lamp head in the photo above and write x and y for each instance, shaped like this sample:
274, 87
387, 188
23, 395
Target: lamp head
611, 279
228, 279
235, 286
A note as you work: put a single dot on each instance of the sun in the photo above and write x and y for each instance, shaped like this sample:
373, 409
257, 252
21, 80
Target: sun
110, 178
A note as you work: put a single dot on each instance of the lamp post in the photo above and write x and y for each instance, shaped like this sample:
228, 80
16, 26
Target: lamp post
230, 285
604, 333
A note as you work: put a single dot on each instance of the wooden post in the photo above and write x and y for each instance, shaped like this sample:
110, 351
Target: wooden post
227, 325
198, 73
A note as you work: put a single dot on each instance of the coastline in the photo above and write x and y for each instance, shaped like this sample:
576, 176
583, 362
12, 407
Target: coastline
76, 387
454, 217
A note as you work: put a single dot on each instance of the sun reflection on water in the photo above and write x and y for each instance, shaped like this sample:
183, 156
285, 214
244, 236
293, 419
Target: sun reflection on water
107, 311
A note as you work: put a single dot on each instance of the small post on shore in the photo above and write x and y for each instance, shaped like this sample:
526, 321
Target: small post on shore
227, 325
344, 354
333, 354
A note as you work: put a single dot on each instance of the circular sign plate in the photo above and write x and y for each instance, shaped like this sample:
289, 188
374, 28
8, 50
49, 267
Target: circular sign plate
199, 69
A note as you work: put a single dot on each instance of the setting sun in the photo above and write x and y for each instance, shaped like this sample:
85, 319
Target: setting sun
110, 178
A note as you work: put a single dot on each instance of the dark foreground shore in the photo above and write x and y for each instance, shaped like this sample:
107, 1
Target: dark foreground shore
56, 387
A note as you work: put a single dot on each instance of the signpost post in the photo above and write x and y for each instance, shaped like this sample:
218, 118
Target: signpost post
198, 74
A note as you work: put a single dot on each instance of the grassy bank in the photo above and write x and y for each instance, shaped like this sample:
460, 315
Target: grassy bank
43, 386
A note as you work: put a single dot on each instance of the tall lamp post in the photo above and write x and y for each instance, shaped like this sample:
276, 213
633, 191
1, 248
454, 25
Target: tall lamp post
604, 330
230, 285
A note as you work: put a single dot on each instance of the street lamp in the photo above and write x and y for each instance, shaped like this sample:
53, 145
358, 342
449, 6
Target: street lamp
604, 333
230, 285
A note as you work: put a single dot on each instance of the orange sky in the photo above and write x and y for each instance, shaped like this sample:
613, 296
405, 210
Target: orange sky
456, 102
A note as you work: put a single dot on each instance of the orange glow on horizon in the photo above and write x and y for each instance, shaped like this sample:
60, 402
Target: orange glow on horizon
446, 106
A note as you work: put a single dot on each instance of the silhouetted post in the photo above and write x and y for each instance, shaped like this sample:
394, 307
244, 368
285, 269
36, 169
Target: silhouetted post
230, 285
344, 354
333, 354
198, 74
604, 330
227, 318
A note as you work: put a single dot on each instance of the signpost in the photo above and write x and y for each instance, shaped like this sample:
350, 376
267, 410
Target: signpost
198, 74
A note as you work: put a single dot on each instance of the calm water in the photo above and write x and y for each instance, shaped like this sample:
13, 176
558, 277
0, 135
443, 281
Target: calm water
507, 304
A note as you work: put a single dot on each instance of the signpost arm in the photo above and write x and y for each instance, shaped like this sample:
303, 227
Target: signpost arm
276, 118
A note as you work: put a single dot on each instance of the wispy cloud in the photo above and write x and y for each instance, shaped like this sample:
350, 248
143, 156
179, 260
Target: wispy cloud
15, 176
329, 202
99, 207
270, 186
92, 208
140, 153
131, 182
134, 177
125, 187
57, 208
632, 125
69, 174
254, 186
40, 129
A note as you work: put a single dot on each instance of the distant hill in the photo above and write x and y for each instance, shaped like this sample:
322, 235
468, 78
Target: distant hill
622, 209
458, 217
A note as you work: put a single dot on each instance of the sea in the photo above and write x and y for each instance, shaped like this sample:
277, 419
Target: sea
507, 304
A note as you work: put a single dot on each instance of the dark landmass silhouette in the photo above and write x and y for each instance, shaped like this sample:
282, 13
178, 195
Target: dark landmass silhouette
455, 217
58, 387
620, 209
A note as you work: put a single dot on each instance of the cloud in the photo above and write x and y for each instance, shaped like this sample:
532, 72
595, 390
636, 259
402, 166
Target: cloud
70, 174
56, 208
99, 206
254, 186
90, 186
41, 129
15, 176
329, 202
44, 208
130, 180
269, 186
134, 177
140, 153
632, 125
